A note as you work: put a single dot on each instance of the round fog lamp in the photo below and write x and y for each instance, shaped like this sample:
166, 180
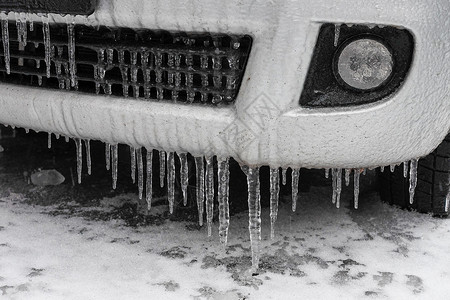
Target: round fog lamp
365, 64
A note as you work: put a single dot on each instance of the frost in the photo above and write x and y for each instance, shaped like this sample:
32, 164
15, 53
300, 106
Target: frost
209, 191
295, 180
223, 176
274, 197
171, 180
200, 189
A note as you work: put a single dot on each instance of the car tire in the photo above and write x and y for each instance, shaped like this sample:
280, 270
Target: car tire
433, 183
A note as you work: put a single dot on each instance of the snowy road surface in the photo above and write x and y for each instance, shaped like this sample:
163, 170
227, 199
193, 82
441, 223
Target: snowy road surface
380, 252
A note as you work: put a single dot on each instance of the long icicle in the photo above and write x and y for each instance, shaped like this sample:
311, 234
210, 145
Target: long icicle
274, 198
79, 147
87, 144
162, 167
356, 174
200, 189
133, 163
115, 161
71, 47
184, 175
412, 179
108, 156
209, 190
171, 180
148, 184
223, 176
295, 180
47, 44
5, 41
254, 213
140, 167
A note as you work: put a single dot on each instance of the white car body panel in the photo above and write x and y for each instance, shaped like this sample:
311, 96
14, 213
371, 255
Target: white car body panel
266, 126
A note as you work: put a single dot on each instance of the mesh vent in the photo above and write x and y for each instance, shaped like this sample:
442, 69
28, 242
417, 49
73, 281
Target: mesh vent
144, 64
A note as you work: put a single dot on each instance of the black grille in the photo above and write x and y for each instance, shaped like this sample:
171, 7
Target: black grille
145, 64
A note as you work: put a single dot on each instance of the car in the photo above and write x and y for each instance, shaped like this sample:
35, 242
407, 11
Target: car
342, 86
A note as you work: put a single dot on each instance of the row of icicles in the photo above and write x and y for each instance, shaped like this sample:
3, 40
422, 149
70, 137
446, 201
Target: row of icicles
205, 185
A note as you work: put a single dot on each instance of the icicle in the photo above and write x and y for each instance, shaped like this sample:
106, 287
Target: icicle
49, 140
356, 174
254, 212
347, 176
184, 175
295, 179
337, 186
447, 200
200, 182
412, 179
209, 191
382, 169
67, 139
283, 174
108, 156
148, 184
47, 44
79, 147
405, 169
223, 176
140, 167
337, 31
327, 173
133, 164
21, 25
364, 171
274, 197
87, 144
71, 47
392, 168
115, 161
5, 41
171, 180
162, 167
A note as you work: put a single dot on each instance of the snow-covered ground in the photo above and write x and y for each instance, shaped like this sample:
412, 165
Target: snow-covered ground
378, 251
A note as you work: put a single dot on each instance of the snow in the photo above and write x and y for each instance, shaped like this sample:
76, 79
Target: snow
318, 252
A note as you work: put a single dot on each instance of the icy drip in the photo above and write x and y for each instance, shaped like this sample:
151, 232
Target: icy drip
171, 180
200, 189
274, 197
133, 164
223, 176
405, 169
337, 32
356, 174
337, 186
209, 190
49, 140
108, 156
254, 212
87, 144
140, 167
5, 41
295, 179
71, 48
327, 173
148, 184
115, 161
392, 168
184, 175
382, 169
162, 167
79, 147
412, 179
347, 176
283, 174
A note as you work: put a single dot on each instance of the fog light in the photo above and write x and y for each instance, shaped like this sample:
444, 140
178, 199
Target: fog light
364, 64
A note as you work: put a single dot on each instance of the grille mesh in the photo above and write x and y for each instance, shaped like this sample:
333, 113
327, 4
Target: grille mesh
145, 64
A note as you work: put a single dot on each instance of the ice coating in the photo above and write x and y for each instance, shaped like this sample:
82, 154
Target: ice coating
412, 179
171, 180
5, 41
140, 167
356, 174
254, 212
162, 167
184, 175
87, 144
79, 148
200, 188
133, 163
148, 184
274, 197
295, 180
223, 177
115, 161
209, 191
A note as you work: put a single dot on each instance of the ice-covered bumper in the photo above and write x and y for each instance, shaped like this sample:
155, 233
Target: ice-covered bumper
266, 126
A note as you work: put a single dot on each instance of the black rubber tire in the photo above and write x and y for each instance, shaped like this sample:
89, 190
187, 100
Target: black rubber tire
433, 183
